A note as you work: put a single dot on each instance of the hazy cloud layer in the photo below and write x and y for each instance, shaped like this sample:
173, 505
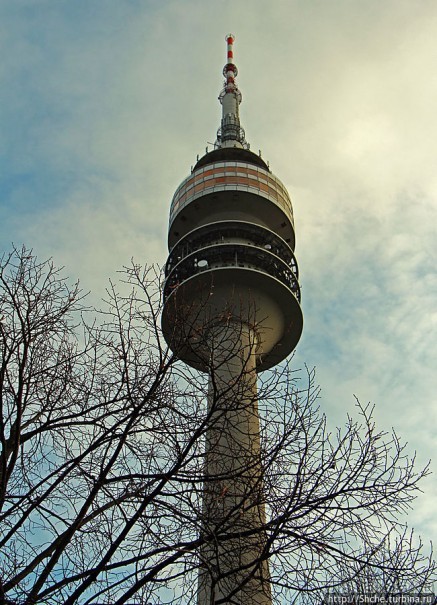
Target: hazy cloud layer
105, 106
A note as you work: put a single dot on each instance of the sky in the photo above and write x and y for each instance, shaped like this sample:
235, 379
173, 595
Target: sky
105, 104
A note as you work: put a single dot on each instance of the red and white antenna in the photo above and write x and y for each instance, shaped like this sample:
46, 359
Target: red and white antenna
230, 133
230, 40
230, 69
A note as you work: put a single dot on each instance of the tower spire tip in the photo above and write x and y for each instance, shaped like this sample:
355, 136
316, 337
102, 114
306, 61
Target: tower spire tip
230, 134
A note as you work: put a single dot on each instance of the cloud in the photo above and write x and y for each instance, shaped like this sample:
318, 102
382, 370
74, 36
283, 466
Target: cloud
106, 105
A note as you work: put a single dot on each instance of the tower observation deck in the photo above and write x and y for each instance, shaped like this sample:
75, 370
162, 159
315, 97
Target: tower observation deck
232, 309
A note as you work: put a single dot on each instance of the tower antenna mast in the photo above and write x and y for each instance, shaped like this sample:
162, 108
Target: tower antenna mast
230, 133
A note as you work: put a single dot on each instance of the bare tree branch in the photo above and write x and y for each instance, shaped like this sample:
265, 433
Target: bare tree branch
103, 490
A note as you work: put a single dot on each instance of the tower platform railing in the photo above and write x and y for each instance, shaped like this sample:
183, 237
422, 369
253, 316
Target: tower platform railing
222, 256
220, 232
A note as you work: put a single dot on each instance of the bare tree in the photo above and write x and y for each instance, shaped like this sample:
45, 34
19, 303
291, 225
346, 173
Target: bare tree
103, 494
383, 580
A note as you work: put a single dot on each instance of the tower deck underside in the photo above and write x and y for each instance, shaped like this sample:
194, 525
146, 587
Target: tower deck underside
232, 293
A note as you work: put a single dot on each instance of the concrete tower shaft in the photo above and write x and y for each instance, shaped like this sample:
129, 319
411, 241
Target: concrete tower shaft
232, 569
232, 309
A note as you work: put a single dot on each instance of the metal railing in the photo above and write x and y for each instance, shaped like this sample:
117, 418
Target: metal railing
229, 255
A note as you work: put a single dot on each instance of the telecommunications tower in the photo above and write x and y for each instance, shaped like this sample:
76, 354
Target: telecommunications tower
232, 309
